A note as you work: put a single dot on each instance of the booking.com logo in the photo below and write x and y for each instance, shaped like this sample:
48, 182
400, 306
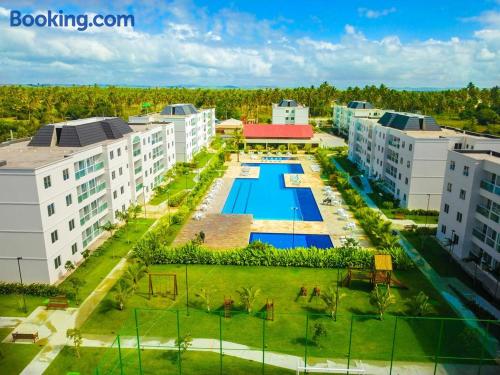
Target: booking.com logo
58, 19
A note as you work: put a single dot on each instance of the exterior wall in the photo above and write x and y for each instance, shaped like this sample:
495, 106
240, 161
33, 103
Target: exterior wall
344, 117
109, 184
473, 239
290, 115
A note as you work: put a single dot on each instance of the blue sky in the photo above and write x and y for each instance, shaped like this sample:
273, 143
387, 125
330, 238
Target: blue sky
272, 43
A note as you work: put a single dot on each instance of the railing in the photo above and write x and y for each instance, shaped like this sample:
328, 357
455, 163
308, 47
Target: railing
139, 187
138, 169
93, 168
89, 238
487, 213
91, 191
492, 188
478, 234
93, 213
393, 143
137, 152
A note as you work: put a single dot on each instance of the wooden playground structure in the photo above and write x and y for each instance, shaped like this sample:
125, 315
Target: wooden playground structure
381, 273
171, 279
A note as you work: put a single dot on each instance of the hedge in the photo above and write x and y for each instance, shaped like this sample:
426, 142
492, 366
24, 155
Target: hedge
35, 289
259, 254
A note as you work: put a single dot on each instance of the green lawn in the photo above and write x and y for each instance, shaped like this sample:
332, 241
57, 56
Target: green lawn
15, 357
12, 305
454, 121
104, 259
395, 213
154, 362
372, 338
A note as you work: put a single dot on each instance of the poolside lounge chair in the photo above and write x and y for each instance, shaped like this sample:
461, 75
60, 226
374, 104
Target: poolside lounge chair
327, 201
198, 216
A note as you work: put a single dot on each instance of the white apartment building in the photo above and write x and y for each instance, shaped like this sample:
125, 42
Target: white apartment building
469, 220
194, 128
59, 188
289, 112
344, 115
408, 153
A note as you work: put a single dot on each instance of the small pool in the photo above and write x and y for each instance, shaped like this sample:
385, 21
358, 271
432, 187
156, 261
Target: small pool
277, 158
290, 241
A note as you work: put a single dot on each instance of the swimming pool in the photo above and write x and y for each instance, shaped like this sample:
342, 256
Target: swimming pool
277, 158
290, 241
267, 198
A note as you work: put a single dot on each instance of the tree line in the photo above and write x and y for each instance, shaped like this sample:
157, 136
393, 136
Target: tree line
25, 108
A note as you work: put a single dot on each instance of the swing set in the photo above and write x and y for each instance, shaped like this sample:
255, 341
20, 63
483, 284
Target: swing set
166, 289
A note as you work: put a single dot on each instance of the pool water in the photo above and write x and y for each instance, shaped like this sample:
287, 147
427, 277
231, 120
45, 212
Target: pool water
267, 198
290, 241
276, 157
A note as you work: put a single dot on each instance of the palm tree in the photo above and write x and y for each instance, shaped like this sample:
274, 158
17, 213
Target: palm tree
76, 335
134, 273
110, 228
248, 297
204, 295
122, 292
387, 239
419, 304
382, 300
331, 299
238, 138
76, 284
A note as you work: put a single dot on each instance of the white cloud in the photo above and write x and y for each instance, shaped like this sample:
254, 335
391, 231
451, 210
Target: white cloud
370, 13
4, 12
233, 49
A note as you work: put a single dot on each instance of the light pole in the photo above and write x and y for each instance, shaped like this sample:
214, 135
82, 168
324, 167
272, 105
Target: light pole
21, 278
294, 209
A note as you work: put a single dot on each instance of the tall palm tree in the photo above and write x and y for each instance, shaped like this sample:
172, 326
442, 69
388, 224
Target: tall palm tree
382, 300
331, 299
238, 138
122, 291
134, 273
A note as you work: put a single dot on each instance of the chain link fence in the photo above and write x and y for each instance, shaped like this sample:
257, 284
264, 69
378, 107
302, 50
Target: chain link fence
196, 342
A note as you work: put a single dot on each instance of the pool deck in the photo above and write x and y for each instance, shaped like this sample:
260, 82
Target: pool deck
230, 231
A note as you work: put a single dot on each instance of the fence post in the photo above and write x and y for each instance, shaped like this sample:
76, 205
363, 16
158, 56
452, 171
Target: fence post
179, 343
220, 340
393, 344
120, 354
263, 342
350, 343
485, 333
307, 342
438, 349
138, 342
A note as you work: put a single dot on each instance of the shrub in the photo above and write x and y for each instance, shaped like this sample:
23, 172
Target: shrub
35, 289
178, 198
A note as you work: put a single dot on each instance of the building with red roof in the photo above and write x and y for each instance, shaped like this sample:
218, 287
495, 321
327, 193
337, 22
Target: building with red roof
278, 134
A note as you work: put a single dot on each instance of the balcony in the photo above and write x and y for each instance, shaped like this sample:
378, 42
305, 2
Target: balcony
93, 213
478, 234
138, 170
492, 188
139, 187
136, 152
92, 168
487, 213
91, 192
393, 143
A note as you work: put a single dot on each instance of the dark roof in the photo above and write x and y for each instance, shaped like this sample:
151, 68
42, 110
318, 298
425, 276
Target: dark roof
80, 135
251, 131
287, 103
179, 109
359, 105
409, 121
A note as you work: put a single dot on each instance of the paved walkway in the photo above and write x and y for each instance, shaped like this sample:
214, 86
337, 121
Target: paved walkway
287, 361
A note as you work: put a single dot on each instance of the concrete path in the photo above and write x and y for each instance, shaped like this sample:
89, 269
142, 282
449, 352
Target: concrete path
286, 361
10, 321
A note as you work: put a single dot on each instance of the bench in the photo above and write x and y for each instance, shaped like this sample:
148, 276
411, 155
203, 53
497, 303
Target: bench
410, 227
25, 336
58, 302
359, 369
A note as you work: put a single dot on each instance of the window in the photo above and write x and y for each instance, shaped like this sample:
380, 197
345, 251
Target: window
65, 174
57, 262
408, 164
119, 151
410, 147
459, 217
51, 209
462, 194
448, 187
113, 175
122, 190
111, 155
115, 194
443, 229
120, 171
74, 248
399, 176
446, 208
466, 170
406, 180
53, 236
69, 200
71, 224
452, 165
46, 182
455, 239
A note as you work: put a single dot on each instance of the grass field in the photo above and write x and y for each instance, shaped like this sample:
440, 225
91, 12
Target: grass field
154, 362
12, 304
15, 357
371, 337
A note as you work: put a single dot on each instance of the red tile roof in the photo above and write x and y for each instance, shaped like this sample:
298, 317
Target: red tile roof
252, 131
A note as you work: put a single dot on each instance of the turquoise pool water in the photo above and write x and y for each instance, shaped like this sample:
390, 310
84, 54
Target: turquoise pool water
290, 241
267, 198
